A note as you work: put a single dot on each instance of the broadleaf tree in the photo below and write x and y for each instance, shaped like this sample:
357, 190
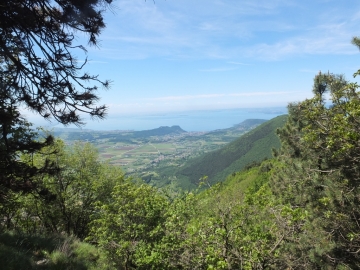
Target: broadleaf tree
66, 202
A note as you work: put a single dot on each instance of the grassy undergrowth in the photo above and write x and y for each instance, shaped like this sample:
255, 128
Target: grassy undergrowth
48, 252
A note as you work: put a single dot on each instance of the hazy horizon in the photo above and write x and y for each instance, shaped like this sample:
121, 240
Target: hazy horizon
194, 120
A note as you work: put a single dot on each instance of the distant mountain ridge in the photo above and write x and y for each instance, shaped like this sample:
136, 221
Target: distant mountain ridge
249, 123
116, 135
160, 131
244, 125
73, 134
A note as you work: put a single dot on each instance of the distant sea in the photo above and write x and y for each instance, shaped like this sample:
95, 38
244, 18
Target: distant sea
189, 121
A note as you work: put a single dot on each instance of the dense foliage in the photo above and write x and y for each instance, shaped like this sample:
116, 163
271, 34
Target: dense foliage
17, 136
320, 176
66, 200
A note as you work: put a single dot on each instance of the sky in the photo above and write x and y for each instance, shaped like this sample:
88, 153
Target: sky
184, 55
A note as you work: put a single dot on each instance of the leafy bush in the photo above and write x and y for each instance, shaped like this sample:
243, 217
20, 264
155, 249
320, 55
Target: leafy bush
130, 224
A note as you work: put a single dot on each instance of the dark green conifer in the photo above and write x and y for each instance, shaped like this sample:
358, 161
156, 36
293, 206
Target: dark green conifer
320, 176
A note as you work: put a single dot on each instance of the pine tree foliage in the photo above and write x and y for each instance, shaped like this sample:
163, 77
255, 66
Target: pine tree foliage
38, 66
17, 136
320, 176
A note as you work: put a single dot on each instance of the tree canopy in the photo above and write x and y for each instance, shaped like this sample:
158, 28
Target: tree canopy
319, 176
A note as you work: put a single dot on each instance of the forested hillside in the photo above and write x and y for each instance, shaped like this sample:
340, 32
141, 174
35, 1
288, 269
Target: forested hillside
252, 147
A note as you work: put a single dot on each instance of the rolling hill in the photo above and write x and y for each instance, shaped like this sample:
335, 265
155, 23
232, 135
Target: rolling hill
254, 146
115, 135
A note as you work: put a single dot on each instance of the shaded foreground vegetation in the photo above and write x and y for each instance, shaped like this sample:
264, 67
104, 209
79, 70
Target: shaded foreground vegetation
136, 227
19, 251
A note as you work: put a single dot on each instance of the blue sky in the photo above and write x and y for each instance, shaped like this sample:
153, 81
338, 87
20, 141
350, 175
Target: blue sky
179, 55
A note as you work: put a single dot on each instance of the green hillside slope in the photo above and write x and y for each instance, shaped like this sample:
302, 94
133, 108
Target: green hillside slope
252, 147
